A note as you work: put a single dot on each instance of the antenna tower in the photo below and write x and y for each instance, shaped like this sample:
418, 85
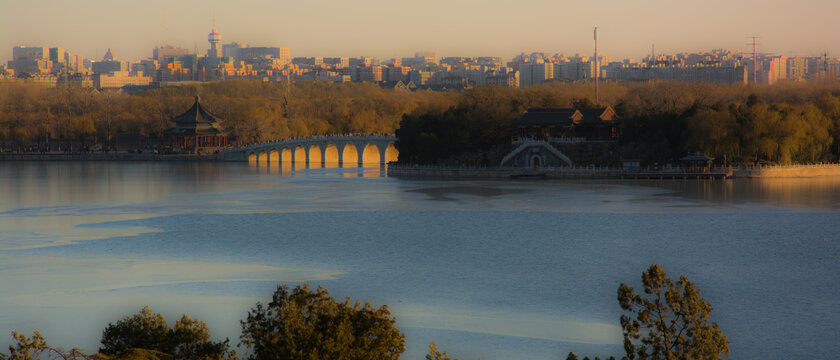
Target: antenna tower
597, 68
755, 66
165, 29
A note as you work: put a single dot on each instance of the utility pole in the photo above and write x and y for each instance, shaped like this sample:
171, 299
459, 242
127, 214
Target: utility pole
165, 29
755, 66
597, 67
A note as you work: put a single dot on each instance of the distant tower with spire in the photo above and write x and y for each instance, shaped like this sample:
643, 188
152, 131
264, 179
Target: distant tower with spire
215, 40
109, 56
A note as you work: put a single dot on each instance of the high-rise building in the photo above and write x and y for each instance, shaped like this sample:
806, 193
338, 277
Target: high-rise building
396, 73
420, 77
720, 74
308, 61
535, 73
367, 73
797, 68
258, 56
337, 62
163, 52
493, 61
30, 53
428, 56
774, 69
57, 55
30, 60
232, 50
574, 70
363, 61
249, 53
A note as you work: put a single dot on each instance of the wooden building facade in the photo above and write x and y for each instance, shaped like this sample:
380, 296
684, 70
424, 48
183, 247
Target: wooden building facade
197, 130
598, 124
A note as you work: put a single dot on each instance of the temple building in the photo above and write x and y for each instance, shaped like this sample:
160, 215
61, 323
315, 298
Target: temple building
565, 137
598, 124
197, 131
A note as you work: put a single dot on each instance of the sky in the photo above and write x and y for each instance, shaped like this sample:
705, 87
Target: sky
398, 28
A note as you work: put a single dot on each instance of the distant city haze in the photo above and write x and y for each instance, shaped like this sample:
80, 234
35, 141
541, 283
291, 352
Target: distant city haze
388, 29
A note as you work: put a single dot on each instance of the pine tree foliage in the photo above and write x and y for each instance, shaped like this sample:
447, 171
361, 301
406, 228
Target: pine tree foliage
311, 325
669, 320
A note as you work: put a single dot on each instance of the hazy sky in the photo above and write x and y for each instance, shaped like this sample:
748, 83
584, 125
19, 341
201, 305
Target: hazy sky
398, 28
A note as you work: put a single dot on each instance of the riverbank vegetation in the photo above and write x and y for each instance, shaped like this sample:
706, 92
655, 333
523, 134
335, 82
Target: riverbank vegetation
780, 124
777, 124
33, 116
669, 321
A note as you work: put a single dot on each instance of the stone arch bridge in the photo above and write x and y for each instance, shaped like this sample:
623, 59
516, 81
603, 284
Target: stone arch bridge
343, 150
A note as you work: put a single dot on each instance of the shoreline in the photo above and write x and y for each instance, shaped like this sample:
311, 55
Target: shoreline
106, 157
463, 172
601, 173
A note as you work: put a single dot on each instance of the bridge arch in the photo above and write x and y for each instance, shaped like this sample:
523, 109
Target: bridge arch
263, 158
391, 153
273, 156
349, 156
331, 156
286, 156
536, 160
300, 155
371, 155
252, 158
315, 156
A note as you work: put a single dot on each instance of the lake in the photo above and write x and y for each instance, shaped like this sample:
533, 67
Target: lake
490, 269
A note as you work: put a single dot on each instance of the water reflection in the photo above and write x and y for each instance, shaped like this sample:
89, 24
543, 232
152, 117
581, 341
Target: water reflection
61, 183
817, 192
451, 193
289, 168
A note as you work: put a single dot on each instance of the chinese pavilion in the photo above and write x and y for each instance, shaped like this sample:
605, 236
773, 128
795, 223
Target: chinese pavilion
197, 129
598, 124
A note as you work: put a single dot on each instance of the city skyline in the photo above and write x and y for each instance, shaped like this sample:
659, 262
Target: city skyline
386, 30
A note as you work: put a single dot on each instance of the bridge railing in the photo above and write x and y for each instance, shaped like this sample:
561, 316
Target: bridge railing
343, 137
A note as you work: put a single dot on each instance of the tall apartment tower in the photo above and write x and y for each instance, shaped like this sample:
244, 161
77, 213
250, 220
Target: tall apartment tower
215, 40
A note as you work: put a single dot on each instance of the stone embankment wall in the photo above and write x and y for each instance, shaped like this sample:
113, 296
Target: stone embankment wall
444, 172
591, 152
787, 171
105, 157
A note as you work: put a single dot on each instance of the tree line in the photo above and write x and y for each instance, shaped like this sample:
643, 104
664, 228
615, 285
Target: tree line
663, 121
668, 321
786, 124
782, 123
32, 116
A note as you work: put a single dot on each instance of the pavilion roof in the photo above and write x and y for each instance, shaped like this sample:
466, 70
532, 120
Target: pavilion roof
197, 121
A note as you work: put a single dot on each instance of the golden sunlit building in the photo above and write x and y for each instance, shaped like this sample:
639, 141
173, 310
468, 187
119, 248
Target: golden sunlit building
118, 79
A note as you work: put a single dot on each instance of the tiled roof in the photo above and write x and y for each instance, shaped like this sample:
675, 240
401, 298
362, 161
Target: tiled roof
544, 116
566, 117
197, 121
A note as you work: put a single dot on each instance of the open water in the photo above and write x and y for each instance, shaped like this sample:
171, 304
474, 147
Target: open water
490, 269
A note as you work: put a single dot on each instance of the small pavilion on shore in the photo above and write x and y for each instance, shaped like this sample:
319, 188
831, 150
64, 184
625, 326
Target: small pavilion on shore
198, 130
